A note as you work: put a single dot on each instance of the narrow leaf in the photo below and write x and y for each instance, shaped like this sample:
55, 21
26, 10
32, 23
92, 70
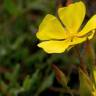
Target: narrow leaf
46, 84
86, 85
11, 7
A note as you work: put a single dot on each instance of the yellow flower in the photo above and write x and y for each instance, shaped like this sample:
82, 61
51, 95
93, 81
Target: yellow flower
56, 38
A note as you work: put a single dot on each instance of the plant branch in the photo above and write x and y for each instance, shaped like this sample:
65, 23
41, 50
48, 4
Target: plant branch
62, 90
82, 64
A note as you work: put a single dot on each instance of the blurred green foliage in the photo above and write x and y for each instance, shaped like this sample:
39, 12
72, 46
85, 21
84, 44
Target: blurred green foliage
22, 66
26, 70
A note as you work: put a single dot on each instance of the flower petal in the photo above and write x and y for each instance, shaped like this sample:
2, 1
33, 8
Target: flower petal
72, 16
77, 40
54, 46
51, 28
91, 25
91, 35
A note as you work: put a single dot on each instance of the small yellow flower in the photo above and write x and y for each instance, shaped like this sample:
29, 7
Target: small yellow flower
56, 38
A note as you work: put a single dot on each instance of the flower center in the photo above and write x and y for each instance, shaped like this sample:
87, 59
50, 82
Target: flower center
71, 36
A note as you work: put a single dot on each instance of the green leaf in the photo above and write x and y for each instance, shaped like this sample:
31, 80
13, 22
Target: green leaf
62, 79
30, 82
94, 73
27, 83
3, 87
86, 86
46, 84
11, 7
18, 42
11, 75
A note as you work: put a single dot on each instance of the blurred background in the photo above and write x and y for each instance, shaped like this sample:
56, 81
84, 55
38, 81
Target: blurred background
25, 69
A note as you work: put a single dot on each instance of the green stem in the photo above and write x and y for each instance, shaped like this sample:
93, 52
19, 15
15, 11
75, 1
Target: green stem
62, 90
93, 59
92, 52
82, 64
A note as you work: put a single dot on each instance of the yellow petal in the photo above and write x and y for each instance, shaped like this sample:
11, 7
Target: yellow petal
91, 25
91, 35
54, 46
77, 40
72, 16
51, 28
